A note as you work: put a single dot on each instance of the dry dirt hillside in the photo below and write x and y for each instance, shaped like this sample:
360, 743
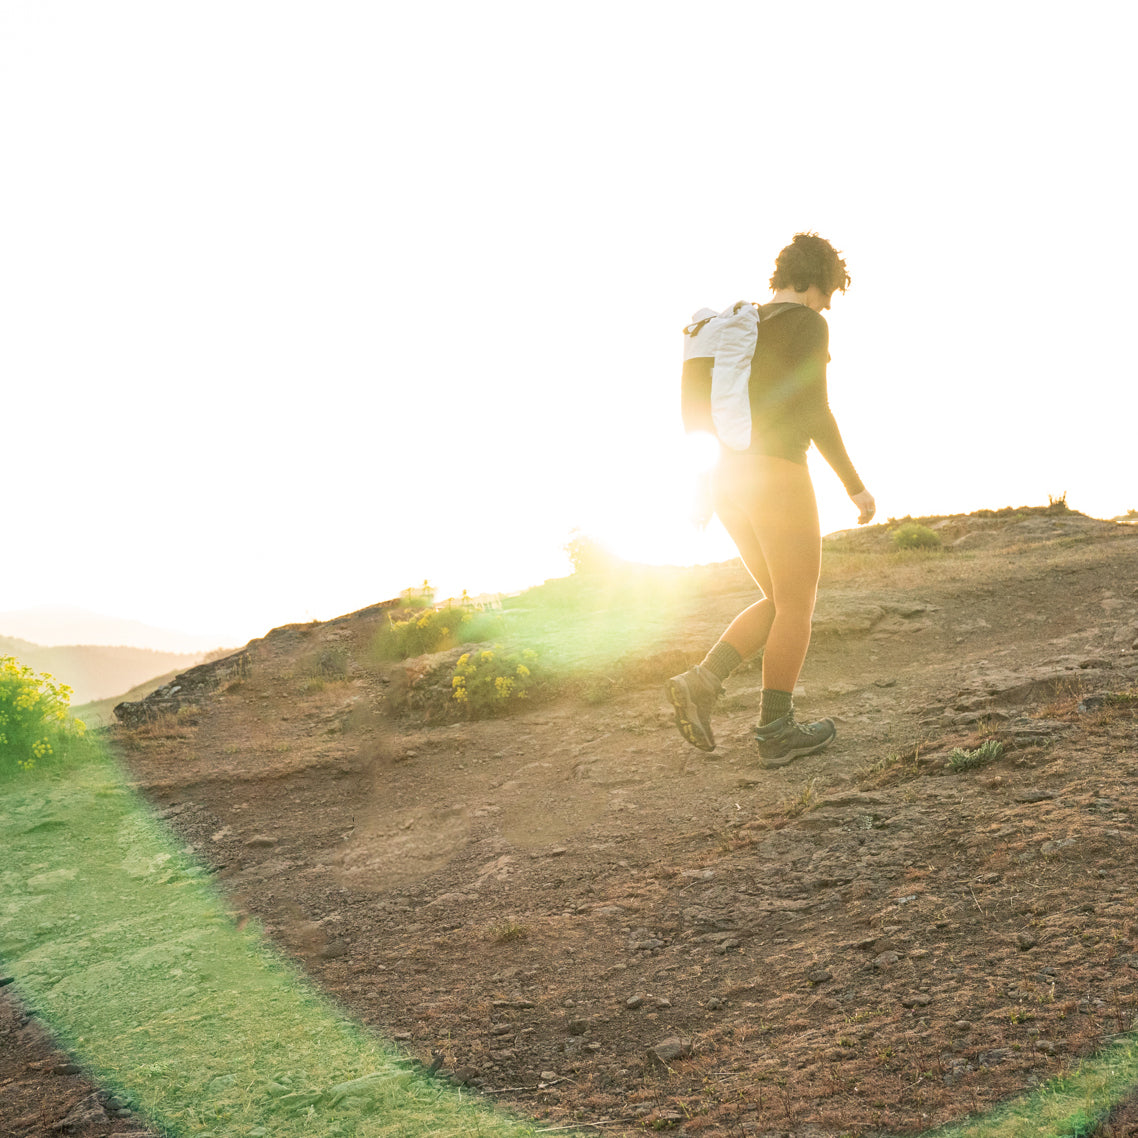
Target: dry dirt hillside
574, 911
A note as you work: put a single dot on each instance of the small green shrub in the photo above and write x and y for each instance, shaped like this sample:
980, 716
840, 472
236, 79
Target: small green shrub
913, 535
488, 682
35, 720
962, 760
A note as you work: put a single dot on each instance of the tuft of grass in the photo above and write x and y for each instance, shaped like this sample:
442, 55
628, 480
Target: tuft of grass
508, 932
803, 802
962, 760
903, 764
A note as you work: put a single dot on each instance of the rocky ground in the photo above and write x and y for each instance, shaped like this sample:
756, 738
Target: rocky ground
593, 923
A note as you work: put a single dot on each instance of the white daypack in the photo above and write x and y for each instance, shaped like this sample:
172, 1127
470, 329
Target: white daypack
715, 388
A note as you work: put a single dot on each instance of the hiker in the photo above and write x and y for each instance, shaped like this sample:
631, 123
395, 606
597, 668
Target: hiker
763, 495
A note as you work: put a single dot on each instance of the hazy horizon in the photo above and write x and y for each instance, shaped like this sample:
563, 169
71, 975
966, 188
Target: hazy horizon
70, 626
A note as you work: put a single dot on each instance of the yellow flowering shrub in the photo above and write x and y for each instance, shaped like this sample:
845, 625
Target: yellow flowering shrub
35, 719
434, 631
490, 681
422, 632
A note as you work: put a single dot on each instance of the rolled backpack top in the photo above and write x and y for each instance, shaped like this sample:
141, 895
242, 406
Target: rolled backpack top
715, 386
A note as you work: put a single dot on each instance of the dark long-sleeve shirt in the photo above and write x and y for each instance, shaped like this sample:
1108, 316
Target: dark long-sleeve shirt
789, 404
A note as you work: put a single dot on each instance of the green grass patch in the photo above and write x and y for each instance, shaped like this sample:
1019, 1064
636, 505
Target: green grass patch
121, 945
1067, 1107
593, 619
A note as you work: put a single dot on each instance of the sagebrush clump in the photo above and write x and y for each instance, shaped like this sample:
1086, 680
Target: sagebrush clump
913, 535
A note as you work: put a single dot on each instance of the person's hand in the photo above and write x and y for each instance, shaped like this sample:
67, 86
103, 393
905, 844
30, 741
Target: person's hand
866, 506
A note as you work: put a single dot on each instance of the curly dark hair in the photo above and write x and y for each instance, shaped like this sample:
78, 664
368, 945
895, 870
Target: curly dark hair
810, 260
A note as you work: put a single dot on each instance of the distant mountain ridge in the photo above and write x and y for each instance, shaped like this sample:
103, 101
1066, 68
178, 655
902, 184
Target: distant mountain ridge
65, 625
96, 671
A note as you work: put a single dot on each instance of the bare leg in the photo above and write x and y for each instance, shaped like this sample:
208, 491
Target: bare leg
769, 509
748, 632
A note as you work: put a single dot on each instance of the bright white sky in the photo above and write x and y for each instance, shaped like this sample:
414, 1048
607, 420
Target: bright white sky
302, 303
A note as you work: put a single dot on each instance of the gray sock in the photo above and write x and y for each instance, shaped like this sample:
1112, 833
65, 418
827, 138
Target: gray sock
775, 705
722, 660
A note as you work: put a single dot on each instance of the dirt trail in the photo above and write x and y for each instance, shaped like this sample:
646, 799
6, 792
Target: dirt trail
593, 922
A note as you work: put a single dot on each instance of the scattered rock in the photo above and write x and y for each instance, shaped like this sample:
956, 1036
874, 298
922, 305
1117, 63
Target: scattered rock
993, 1057
336, 948
89, 1110
670, 1050
260, 841
1028, 797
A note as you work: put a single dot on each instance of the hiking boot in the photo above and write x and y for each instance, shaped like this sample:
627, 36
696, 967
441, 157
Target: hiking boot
784, 740
693, 695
